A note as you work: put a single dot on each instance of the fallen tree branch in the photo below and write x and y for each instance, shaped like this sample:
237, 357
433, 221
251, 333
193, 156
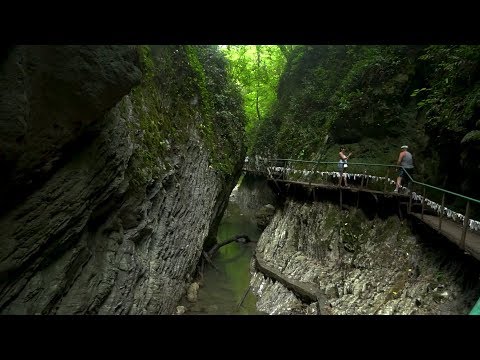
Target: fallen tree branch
217, 246
206, 257
200, 270
307, 292
243, 298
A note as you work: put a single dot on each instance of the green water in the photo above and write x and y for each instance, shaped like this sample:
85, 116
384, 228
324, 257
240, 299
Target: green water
223, 290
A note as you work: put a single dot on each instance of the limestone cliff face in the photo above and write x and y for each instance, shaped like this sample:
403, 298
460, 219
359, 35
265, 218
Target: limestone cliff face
362, 265
129, 188
374, 99
49, 96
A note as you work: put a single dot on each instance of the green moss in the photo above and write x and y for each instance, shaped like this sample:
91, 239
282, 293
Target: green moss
201, 82
206, 126
153, 138
352, 230
164, 110
339, 95
332, 220
155, 132
472, 136
397, 287
211, 81
148, 65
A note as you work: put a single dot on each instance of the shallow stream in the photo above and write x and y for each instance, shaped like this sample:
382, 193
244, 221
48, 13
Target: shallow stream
223, 290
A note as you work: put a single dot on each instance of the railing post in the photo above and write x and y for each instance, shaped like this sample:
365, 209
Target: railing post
441, 213
466, 220
409, 210
341, 199
312, 174
361, 187
423, 201
386, 181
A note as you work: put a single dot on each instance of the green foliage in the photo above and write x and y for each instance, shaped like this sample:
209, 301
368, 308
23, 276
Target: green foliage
451, 104
449, 101
337, 94
222, 106
472, 136
256, 69
374, 99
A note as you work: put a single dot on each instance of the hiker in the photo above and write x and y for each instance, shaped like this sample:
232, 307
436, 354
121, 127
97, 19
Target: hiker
405, 160
342, 165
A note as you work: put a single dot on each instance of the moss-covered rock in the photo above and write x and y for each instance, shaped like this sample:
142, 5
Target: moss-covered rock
264, 215
185, 86
363, 265
119, 225
373, 99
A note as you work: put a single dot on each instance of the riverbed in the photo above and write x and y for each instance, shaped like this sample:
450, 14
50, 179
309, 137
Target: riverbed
223, 289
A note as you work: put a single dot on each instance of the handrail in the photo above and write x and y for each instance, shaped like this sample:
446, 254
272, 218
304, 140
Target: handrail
440, 189
385, 165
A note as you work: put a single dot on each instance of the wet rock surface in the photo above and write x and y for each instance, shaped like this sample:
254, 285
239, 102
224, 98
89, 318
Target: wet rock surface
98, 234
50, 95
264, 215
253, 194
192, 292
363, 266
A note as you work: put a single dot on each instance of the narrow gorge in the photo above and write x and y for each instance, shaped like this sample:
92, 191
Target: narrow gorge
124, 165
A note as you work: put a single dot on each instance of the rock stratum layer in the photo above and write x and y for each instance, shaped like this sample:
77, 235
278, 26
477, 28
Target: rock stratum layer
362, 265
113, 180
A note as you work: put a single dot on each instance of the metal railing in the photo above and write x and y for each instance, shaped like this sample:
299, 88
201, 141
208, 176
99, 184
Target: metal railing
298, 168
373, 177
366, 175
443, 211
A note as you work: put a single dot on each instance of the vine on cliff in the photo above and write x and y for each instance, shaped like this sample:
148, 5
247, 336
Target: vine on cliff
221, 105
175, 80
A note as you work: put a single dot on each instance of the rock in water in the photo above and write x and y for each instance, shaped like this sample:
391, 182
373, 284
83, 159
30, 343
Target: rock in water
192, 292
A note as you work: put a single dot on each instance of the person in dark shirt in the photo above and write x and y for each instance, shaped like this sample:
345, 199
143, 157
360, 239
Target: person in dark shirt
405, 160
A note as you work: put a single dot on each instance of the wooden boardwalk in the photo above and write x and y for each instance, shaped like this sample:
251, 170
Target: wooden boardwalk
453, 232
353, 189
450, 229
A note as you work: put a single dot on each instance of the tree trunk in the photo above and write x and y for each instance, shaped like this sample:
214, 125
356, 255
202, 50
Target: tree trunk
306, 292
258, 83
286, 50
217, 246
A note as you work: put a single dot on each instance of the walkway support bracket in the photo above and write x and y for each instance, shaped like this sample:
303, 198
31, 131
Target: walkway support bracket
466, 220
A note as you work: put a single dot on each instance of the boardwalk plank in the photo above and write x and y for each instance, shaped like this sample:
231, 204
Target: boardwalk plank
453, 232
